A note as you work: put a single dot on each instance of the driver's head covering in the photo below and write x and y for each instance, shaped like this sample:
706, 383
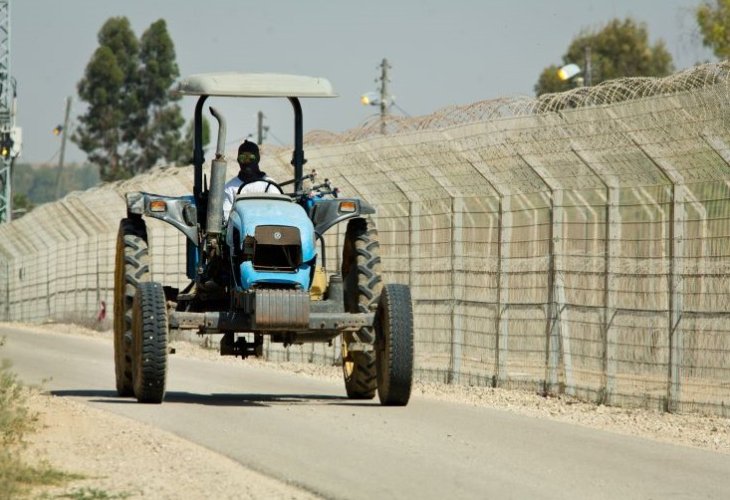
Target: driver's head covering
248, 153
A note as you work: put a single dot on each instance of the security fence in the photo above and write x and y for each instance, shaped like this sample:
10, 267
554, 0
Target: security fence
577, 243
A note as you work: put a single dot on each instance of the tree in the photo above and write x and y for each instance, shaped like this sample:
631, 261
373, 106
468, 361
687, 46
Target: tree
21, 205
714, 23
184, 154
107, 87
159, 134
619, 49
131, 122
37, 183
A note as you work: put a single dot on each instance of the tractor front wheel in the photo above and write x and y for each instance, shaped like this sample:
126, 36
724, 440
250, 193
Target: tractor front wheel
149, 343
131, 268
394, 345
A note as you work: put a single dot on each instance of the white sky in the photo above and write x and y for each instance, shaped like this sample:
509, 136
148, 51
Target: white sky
441, 52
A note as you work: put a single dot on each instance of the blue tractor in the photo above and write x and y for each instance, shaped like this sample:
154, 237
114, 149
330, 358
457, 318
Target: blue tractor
261, 272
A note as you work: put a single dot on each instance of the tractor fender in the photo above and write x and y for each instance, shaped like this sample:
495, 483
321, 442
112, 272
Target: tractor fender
178, 211
327, 213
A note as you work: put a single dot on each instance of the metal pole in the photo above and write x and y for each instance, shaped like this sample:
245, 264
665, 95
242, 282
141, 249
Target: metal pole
384, 97
64, 136
260, 139
6, 112
587, 65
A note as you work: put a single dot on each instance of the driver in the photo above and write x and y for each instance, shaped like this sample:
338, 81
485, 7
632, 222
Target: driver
250, 176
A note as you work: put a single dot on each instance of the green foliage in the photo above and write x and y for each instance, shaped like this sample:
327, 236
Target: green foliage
21, 204
713, 19
619, 49
131, 122
36, 185
15, 422
159, 132
93, 494
184, 155
108, 87
549, 81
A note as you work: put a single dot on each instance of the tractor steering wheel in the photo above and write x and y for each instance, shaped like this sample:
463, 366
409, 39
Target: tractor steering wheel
268, 185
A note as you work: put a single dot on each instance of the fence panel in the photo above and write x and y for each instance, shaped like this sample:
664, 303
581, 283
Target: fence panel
576, 243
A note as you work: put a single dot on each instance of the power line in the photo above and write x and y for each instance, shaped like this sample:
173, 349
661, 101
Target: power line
269, 132
401, 110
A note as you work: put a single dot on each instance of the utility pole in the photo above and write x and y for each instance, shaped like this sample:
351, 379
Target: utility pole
261, 129
64, 136
10, 139
587, 65
384, 97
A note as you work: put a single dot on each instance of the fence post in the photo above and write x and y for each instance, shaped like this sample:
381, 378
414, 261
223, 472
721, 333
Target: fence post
505, 236
6, 314
557, 333
611, 241
676, 293
457, 332
675, 299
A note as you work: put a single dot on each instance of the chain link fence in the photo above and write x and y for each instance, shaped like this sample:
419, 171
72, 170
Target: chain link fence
577, 243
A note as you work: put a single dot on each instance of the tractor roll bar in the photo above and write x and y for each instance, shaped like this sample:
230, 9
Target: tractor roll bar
198, 158
297, 161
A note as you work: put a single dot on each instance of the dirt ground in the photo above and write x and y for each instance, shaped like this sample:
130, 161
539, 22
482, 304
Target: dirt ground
122, 458
127, 459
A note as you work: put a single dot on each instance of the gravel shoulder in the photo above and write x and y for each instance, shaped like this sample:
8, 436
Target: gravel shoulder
124, 457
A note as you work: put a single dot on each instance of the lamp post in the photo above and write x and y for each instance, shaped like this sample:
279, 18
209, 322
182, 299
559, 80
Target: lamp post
573, 71
382, 99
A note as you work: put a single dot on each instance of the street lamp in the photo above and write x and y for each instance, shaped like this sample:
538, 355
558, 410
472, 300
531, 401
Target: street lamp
571, 72
370, 99
574, 72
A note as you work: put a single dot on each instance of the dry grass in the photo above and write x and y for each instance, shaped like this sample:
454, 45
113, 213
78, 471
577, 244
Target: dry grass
16, 421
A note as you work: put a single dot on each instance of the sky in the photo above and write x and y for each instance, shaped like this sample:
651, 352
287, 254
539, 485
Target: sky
442, 52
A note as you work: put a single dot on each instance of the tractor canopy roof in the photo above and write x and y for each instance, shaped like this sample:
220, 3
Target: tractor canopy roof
233, 84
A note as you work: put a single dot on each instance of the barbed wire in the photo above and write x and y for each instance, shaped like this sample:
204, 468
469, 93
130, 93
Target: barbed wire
608, 92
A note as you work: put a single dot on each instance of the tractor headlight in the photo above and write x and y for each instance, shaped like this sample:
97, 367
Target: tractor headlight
158, 206
347, 207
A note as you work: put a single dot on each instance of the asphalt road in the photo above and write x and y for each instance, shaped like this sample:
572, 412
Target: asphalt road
306, 432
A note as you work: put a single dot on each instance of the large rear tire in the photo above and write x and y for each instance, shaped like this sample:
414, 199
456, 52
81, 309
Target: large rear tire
131, 268
394, 345
149, 346
361, 274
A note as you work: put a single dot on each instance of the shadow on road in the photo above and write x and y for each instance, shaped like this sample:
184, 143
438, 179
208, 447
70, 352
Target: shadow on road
220, 399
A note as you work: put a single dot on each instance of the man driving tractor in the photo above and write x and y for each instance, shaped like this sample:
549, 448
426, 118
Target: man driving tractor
249, 176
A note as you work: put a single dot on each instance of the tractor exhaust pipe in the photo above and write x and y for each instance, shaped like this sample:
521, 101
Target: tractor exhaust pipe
217, 180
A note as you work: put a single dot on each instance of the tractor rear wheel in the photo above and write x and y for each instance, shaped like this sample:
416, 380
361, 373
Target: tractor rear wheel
131, 268
149, 344
361, 275
394, 345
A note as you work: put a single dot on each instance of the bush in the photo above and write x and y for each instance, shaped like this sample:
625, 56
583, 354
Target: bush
16, 421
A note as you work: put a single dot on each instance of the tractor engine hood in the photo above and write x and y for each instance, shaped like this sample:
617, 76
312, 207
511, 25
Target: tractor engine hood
272, 242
